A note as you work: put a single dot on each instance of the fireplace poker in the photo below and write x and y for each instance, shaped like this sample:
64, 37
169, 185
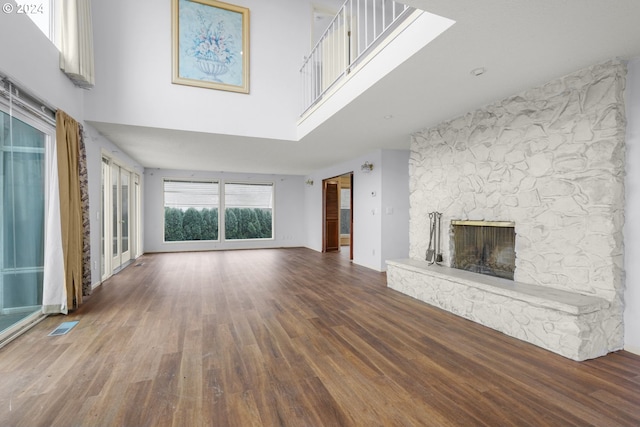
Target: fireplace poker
432, 229
438, 258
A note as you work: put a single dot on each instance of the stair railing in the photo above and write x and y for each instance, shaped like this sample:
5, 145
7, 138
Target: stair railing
358, 26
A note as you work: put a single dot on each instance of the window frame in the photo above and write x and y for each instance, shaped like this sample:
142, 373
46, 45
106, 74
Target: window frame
223, 201
214, 181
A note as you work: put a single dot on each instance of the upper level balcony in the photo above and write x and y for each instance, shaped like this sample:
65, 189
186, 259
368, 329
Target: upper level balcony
363, 42
358, 26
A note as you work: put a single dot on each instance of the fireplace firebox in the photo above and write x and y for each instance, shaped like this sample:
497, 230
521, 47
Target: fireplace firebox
486, 247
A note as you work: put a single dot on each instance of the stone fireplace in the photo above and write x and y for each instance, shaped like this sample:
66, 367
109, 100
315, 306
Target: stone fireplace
485, 247
550, 159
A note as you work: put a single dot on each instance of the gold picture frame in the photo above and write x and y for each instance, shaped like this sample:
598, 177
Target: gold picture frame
210, 45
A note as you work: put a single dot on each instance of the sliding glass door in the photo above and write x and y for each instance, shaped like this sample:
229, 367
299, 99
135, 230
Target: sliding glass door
22, 198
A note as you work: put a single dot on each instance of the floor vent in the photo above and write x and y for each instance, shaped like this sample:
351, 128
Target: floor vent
63, 328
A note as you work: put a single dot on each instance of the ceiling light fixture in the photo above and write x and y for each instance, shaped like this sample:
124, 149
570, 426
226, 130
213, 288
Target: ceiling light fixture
477, 72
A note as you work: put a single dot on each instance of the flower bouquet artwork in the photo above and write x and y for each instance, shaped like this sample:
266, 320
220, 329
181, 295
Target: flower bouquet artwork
211, 45
213, 49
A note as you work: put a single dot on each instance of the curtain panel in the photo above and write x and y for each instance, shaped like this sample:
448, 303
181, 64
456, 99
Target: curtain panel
54, 292
76, 42
67, 145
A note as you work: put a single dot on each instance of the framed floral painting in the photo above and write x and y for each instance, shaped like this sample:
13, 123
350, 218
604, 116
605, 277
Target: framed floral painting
211, 45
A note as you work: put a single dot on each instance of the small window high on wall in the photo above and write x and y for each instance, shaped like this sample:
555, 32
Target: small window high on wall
40, 12
248, 211
191, 210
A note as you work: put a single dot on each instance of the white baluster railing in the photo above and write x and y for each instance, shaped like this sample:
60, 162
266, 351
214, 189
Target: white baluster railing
357, 27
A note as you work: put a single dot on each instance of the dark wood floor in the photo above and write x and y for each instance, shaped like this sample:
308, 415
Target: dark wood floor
292, 337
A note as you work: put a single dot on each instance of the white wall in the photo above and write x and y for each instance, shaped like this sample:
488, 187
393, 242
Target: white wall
366, 208
374, 231
32, 61
133, 71
632, 195
395, 204
289, 227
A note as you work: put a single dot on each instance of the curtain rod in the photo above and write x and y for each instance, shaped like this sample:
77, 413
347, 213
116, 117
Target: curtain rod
15, 93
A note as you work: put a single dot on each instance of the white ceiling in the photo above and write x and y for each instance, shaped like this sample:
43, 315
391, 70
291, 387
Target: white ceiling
520, 43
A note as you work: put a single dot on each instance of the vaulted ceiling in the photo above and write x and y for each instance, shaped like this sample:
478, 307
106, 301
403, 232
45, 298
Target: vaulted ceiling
520, 43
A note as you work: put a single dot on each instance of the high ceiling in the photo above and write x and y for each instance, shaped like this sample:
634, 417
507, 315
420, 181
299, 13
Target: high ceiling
520, 43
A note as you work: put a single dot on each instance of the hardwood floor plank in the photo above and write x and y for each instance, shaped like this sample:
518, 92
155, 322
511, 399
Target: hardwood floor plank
617, 403
138, 394
242, 332
268, 406
165, 393
214, 401
244, 410
188, 410
326, 410
292, 337
234, 374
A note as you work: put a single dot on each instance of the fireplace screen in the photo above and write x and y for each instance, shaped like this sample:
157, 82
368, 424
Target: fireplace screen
485, 247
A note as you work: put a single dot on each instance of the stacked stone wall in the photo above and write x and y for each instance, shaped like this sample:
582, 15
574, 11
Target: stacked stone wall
551, 159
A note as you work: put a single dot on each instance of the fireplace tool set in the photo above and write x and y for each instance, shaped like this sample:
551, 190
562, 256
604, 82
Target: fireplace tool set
434, 255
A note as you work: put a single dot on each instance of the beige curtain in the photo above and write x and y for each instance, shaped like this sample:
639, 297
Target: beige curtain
75, 39
67, 144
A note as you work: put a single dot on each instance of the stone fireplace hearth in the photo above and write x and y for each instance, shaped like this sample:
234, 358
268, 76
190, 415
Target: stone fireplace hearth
551, 159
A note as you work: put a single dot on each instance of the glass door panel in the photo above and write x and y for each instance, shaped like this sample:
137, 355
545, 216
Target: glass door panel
22, 151
135, 233
124, 212
104, 223
115, 217
117, 207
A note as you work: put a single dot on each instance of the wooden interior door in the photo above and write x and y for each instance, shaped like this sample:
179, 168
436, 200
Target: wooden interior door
331, 234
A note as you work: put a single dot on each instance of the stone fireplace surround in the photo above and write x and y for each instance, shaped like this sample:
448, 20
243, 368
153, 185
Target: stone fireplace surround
551, 159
